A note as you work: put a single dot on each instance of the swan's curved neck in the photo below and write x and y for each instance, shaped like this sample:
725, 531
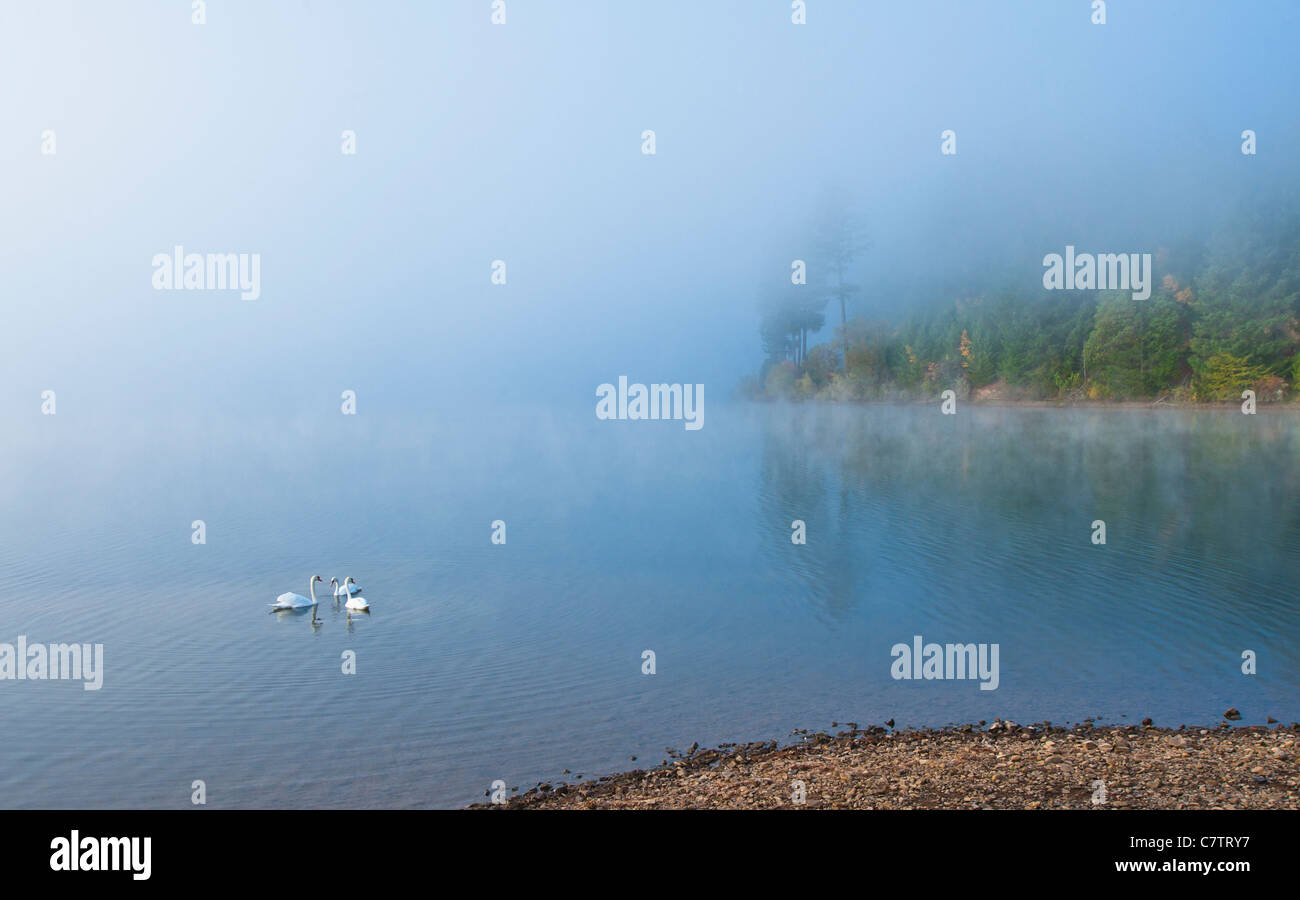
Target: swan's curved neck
311, 586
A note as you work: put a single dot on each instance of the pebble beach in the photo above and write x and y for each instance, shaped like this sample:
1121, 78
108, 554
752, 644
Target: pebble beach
999, 766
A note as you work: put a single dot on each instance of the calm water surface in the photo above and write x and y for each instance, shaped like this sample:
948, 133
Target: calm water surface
483, 662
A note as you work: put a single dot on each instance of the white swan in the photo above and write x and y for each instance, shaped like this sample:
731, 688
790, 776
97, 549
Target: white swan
290, 600
344, 589
355, 600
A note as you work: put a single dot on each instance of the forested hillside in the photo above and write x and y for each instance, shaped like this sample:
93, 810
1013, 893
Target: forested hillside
1223, 316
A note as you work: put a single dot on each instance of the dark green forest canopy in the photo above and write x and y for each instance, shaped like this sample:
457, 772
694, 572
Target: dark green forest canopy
1223, 316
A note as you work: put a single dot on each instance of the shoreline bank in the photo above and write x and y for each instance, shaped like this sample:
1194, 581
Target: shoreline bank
1003, 766
1182, 405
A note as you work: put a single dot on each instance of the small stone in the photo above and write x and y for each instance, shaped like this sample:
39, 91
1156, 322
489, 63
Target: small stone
1090, 745
1232, 714
1105, 746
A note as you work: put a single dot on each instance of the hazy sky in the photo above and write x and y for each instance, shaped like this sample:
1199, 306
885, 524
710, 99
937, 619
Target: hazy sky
522, 142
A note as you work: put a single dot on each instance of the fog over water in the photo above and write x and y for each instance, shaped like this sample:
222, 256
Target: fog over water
522, 143
475, 401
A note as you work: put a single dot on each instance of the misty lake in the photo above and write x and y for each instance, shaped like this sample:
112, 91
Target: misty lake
516, 661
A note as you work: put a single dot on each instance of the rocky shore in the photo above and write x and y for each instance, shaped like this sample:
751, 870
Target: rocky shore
1001, 766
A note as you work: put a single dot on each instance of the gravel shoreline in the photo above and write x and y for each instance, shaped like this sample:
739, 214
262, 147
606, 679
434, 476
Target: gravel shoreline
1003, 766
